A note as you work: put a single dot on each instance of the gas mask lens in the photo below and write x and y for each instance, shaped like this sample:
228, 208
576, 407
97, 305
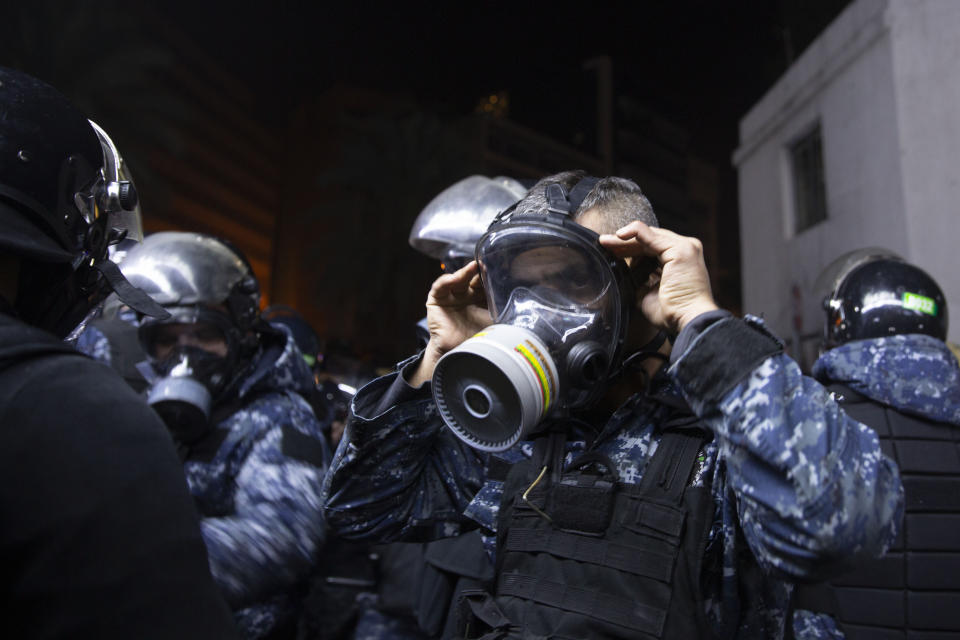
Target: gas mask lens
162, 339
566, 274
559, 324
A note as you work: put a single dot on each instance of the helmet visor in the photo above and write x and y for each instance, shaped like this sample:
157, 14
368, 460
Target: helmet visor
831, 276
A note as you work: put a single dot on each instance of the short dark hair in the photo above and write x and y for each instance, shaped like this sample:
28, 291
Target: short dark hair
622, 202
620, 199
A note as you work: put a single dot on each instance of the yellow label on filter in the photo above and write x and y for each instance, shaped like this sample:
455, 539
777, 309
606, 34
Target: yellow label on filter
552, 384
541, 374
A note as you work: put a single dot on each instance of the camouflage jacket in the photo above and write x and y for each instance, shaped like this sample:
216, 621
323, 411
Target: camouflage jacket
259, 491
95, 344
913, 373
797, 485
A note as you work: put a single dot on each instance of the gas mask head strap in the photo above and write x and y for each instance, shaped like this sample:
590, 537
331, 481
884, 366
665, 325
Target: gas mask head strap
558, 201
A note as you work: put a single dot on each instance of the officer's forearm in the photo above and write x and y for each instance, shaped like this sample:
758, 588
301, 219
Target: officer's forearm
811, 483
399, 474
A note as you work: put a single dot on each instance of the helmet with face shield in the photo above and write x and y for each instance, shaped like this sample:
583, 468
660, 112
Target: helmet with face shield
212, 297
63, 202
450, 225
561, 305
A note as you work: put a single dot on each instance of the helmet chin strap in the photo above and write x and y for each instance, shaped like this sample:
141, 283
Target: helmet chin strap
130, 295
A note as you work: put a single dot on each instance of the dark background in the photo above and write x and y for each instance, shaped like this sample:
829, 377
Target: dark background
312, 134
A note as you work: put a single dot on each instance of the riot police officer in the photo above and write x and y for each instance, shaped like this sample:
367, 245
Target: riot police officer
683, 505
230, 388
886, 362
100, 538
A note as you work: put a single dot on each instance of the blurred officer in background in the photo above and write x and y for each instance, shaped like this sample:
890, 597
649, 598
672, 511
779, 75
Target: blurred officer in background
100, 538
228, 386
886, 363
449, 226
329, 399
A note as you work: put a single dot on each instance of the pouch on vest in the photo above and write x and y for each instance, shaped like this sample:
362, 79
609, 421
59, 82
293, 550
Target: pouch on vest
453, 565
582, 555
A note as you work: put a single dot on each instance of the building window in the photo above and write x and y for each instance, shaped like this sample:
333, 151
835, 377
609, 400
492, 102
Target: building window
809, 190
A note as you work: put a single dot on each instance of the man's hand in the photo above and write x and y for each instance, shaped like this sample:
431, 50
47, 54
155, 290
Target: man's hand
456, 309
683, 291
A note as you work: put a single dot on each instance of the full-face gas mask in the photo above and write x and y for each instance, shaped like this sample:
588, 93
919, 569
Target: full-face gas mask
561, 306
195, 355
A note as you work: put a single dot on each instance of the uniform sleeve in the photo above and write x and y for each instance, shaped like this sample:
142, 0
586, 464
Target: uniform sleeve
94, 343
271, 540
399, 473
813, 489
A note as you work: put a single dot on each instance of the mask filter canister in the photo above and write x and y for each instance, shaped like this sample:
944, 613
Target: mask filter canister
496, 387
182, 402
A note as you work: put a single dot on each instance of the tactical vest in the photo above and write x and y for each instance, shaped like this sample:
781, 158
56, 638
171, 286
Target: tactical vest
582, 555
912, 592
422, 582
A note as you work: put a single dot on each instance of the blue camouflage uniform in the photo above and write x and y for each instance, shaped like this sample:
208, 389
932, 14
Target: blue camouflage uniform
95, 344
259, 492
798, 486
913, 373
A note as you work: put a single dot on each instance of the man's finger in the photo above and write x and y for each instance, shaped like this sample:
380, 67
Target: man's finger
638, 238
630, 230
625, 248
468, 269
459, 280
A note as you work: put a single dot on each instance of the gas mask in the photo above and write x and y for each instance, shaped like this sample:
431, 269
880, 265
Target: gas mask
182, 394
185, 378
207, 286
561, 307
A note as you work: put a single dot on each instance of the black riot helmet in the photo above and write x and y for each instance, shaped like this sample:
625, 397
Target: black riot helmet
62, 204
877, 294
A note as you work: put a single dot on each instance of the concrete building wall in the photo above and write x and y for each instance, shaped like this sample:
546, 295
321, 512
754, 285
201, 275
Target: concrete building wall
882, 82
926, 68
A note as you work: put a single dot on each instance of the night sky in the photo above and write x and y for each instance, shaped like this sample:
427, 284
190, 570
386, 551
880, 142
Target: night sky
699, 64
703, 63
